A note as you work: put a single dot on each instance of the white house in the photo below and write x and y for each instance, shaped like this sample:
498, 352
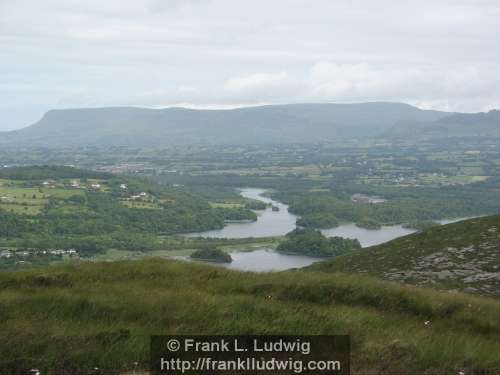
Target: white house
5, 254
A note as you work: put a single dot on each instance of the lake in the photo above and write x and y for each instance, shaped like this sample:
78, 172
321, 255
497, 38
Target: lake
278, 223
263, 260
368, 237
269, 223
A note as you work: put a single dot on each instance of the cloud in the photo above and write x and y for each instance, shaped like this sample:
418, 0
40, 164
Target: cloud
263, 87
437, 86
221, 53
173, 5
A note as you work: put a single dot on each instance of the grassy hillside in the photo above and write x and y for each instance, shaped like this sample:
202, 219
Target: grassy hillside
463, 256
483, 124
101, 315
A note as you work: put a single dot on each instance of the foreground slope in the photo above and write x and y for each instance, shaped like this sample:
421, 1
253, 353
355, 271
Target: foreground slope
294, 123
463, 256
76, 317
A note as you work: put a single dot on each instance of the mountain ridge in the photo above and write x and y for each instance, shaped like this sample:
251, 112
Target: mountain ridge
288, 123
284, 123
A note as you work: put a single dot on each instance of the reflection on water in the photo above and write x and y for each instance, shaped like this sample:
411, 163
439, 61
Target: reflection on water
368, 237
265, 260
278, 223
269, 222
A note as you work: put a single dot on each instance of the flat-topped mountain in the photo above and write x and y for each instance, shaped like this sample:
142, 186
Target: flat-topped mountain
455, 125
293, 123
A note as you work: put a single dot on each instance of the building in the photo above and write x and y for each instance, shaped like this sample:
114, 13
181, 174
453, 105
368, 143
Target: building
361, 198
5, 254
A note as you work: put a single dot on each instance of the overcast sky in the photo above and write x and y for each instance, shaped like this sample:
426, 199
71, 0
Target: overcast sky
441, 54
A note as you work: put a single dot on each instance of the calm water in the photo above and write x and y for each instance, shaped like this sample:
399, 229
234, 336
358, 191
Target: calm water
269, 222
368, 237
278, 223
264, 260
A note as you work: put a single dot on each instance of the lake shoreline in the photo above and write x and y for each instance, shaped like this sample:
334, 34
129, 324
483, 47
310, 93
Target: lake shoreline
275, 224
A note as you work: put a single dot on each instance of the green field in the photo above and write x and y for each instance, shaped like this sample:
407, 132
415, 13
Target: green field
143, 205
101, 315
226, 205
27, 200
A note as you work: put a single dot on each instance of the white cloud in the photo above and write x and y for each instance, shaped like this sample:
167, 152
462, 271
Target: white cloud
439, 87
222, 53
257, 81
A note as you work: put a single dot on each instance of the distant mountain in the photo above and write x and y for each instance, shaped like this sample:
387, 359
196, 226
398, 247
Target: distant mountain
294, 123
454, 125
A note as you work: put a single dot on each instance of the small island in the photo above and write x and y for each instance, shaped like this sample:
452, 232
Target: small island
313, 243
253, 204
211, 254
318, 220
367, 223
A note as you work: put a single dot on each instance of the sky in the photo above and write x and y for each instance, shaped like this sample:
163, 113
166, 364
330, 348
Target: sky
436, 54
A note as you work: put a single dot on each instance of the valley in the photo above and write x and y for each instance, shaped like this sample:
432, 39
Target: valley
394, 242
249, 187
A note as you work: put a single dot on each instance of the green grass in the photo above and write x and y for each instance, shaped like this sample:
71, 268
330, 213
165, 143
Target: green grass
20, 192
463, 256
22, 209
101, 315
225, 205
28, 200
185, 249
141, 205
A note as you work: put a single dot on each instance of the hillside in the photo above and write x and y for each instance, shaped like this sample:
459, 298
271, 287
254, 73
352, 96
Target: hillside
71, 319
455, 125
294, 123
52, 208
464, 256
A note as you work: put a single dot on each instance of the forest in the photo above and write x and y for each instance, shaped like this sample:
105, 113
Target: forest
123, 212
312, 243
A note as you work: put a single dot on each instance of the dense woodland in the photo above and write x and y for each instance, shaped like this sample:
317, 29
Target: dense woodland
211, 254
402, 206
312, 243
90, 221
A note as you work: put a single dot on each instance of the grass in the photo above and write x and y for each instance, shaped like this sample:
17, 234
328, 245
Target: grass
29, 200
22, 209
76, 317
186, 249
141, 205
463, 256
40, 193
225, 205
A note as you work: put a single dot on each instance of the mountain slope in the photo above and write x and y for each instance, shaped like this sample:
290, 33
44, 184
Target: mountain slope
295, 123
463, 256
74, 318
455, 125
